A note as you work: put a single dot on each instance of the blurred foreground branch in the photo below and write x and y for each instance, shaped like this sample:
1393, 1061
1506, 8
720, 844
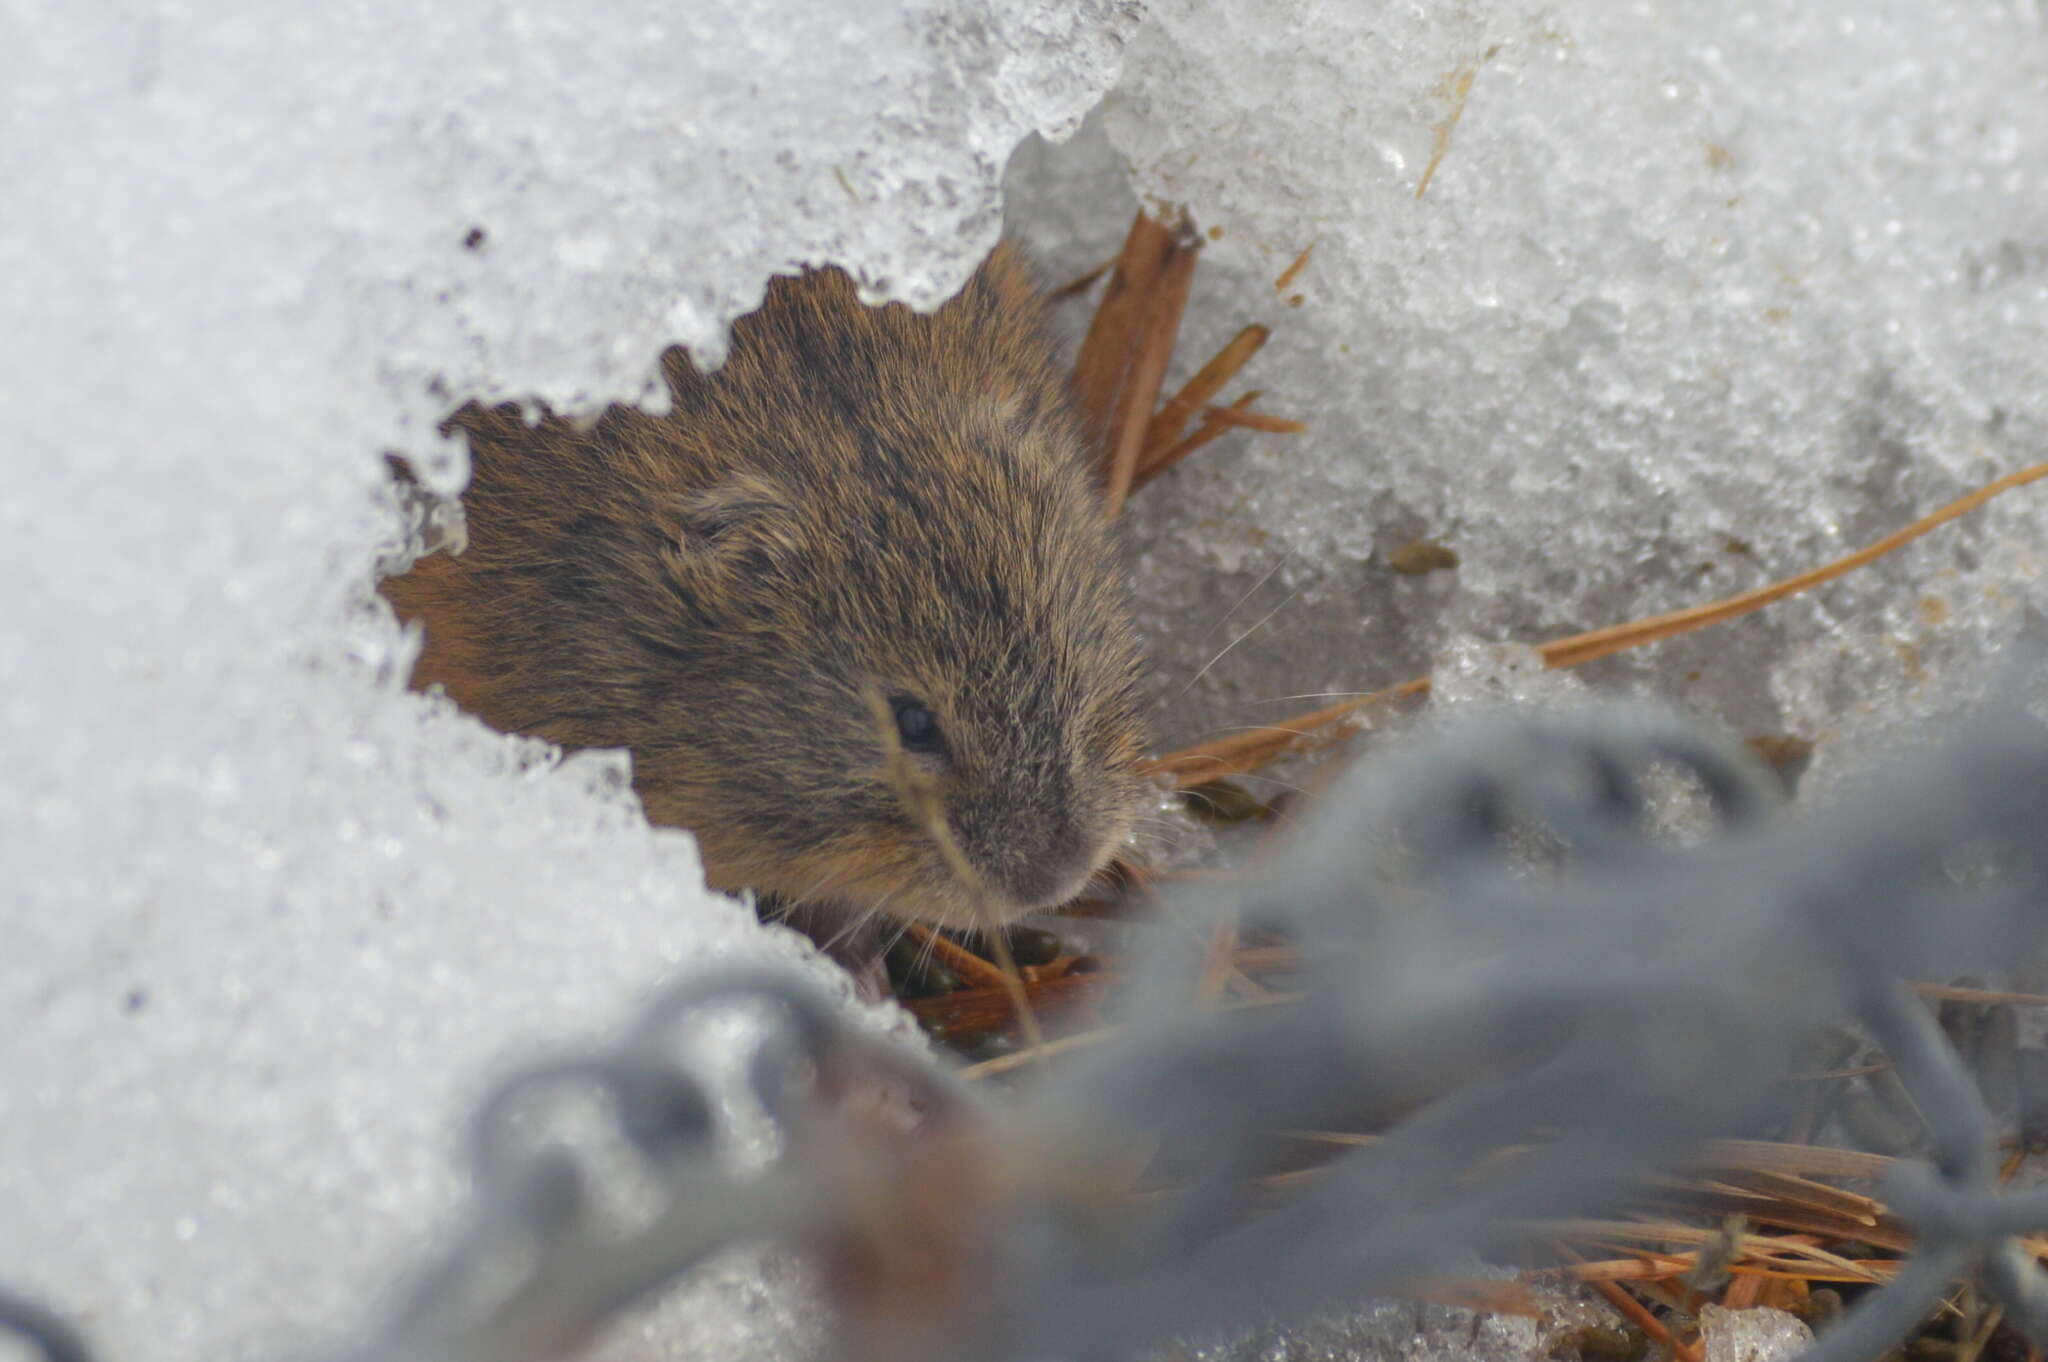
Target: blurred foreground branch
1534, 995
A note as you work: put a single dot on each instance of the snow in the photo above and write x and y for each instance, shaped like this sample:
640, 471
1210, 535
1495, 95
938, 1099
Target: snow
1758, 1335
272, 920
1694, 297
1691, 301
1411, 1331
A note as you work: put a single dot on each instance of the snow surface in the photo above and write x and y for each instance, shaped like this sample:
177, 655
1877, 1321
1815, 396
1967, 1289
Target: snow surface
1410, 1331
269, 917
1758, 1335
1696, 296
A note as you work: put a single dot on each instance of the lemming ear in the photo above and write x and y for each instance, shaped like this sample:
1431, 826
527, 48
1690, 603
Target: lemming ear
743, 521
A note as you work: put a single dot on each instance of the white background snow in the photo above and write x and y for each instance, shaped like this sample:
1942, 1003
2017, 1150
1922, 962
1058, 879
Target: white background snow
1697, 297
1685, 275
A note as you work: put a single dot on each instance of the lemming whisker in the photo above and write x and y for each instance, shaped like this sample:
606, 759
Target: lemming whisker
810, 895
894, 938
1224, 618
1249, 776
1260, 624
858, 921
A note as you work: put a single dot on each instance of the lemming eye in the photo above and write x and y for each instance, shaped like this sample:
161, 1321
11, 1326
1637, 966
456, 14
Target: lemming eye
917, 726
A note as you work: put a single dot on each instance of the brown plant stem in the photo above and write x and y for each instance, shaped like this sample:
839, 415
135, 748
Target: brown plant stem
1249, 750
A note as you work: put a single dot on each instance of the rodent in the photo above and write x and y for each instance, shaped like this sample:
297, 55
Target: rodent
860, 499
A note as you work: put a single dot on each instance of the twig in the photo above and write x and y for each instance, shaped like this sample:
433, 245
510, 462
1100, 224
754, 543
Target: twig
1173, 417
1215, 425
1570, 652
1080, 283
1293, 271
1218, 964
1238, 417
1155, 341
970, 967
1637, 1315
1461, 90
1123, 360
980, 1011
1985, 996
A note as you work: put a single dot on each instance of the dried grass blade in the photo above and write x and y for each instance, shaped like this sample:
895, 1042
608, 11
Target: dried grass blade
1636, 1314
1174, 416
1986, 996
1570, 652
1213, 427
1798, 1191
1249, 750
1255, 747
1237, 416
1293, 271
1155, 341
1105, 359
1770, 1156
970, 967
1080, 283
